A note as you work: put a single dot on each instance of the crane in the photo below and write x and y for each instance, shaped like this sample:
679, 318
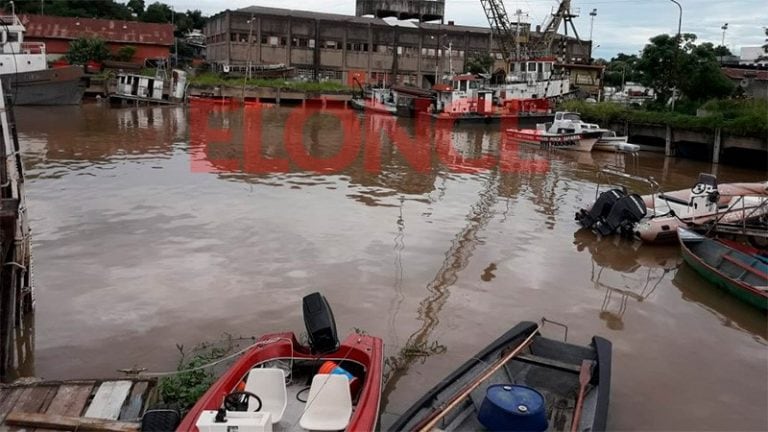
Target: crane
563, 14
507, 33
500, 26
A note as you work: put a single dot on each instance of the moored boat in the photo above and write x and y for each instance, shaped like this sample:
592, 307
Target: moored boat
571, 122
378, 101
578, 141
281, 384
611, 142
655, 217
521, 382
742, 274
24, 68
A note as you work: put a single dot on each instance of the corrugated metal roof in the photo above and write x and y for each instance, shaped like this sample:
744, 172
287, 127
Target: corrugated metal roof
129, 32
734, 73
262, 10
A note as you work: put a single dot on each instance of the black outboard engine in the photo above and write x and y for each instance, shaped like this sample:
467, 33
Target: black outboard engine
321, 327
625, 213
601, 209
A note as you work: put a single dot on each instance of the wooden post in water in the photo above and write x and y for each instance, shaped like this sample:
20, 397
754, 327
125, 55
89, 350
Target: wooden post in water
16, 296
716, 146
668, 147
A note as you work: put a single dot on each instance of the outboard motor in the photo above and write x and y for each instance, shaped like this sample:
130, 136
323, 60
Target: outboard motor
321, 327
627, 211
601, 209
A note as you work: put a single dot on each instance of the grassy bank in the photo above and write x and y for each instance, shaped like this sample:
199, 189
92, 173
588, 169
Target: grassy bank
214, 80
737, 117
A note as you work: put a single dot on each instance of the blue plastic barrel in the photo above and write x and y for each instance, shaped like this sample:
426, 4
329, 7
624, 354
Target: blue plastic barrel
513, 408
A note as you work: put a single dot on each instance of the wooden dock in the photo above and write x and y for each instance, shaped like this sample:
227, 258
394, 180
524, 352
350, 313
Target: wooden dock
85, 405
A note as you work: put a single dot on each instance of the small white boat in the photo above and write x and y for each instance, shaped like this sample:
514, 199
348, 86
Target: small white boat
611, 142
566, 121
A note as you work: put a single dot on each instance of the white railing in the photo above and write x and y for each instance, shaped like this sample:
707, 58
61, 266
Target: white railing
10, 20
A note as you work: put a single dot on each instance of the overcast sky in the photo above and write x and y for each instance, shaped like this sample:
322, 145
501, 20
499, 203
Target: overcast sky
620, 25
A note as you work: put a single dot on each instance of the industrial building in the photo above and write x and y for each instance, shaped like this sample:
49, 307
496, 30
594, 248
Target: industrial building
367, 49
151, 41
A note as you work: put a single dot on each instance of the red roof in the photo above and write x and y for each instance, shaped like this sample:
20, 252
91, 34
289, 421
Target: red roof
740, 74
128, 32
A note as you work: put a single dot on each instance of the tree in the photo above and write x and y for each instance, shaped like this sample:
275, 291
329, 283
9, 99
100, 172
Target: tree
722, 51
621, 69
694, 69
125, 53
659, 64
703, 78
157, 13
479, 63
72, 8
84, 49
137, 6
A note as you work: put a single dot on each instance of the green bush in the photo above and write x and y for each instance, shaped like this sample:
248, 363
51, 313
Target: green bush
210, 79
125, 53
737, 117
82, 50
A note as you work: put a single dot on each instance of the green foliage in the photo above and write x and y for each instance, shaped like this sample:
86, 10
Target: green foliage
213, 80
737, 117
479, 63
137, 6
658, 65
72, 8
668, 62
622, 68
125, 53
186, 388
83, 49
157, 13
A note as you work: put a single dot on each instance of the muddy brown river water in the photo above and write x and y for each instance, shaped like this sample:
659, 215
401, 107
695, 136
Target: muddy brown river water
161, 226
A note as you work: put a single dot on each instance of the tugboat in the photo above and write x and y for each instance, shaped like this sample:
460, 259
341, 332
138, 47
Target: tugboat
24, 68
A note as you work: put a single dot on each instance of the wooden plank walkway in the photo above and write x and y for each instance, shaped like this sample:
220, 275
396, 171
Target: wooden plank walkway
85, 405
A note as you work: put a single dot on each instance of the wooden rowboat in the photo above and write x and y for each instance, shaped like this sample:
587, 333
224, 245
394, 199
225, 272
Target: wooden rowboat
742, 274
569, 379
280, 384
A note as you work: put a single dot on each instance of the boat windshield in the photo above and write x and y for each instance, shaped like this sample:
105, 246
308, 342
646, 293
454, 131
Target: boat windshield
571, 116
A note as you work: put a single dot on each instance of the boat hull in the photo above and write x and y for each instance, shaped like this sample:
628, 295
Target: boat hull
369, 106
595, 413
565, 141
57, 86
689, 242
367, 351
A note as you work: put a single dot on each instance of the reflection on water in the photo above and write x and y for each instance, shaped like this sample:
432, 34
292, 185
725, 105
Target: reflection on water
732, 312
625, 269
418, 347
158, 226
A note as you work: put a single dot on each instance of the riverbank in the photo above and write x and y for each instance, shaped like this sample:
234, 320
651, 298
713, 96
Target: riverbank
728, 132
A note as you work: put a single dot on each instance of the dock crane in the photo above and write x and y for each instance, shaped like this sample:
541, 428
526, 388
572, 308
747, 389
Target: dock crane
507, 33
565, 15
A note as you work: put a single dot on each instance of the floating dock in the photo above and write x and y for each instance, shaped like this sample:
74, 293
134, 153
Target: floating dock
85, 405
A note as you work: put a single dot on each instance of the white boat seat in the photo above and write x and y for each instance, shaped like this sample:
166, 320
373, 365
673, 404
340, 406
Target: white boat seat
329, 404
269, 385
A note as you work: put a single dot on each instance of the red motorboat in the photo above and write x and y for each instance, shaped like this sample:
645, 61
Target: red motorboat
281, 384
